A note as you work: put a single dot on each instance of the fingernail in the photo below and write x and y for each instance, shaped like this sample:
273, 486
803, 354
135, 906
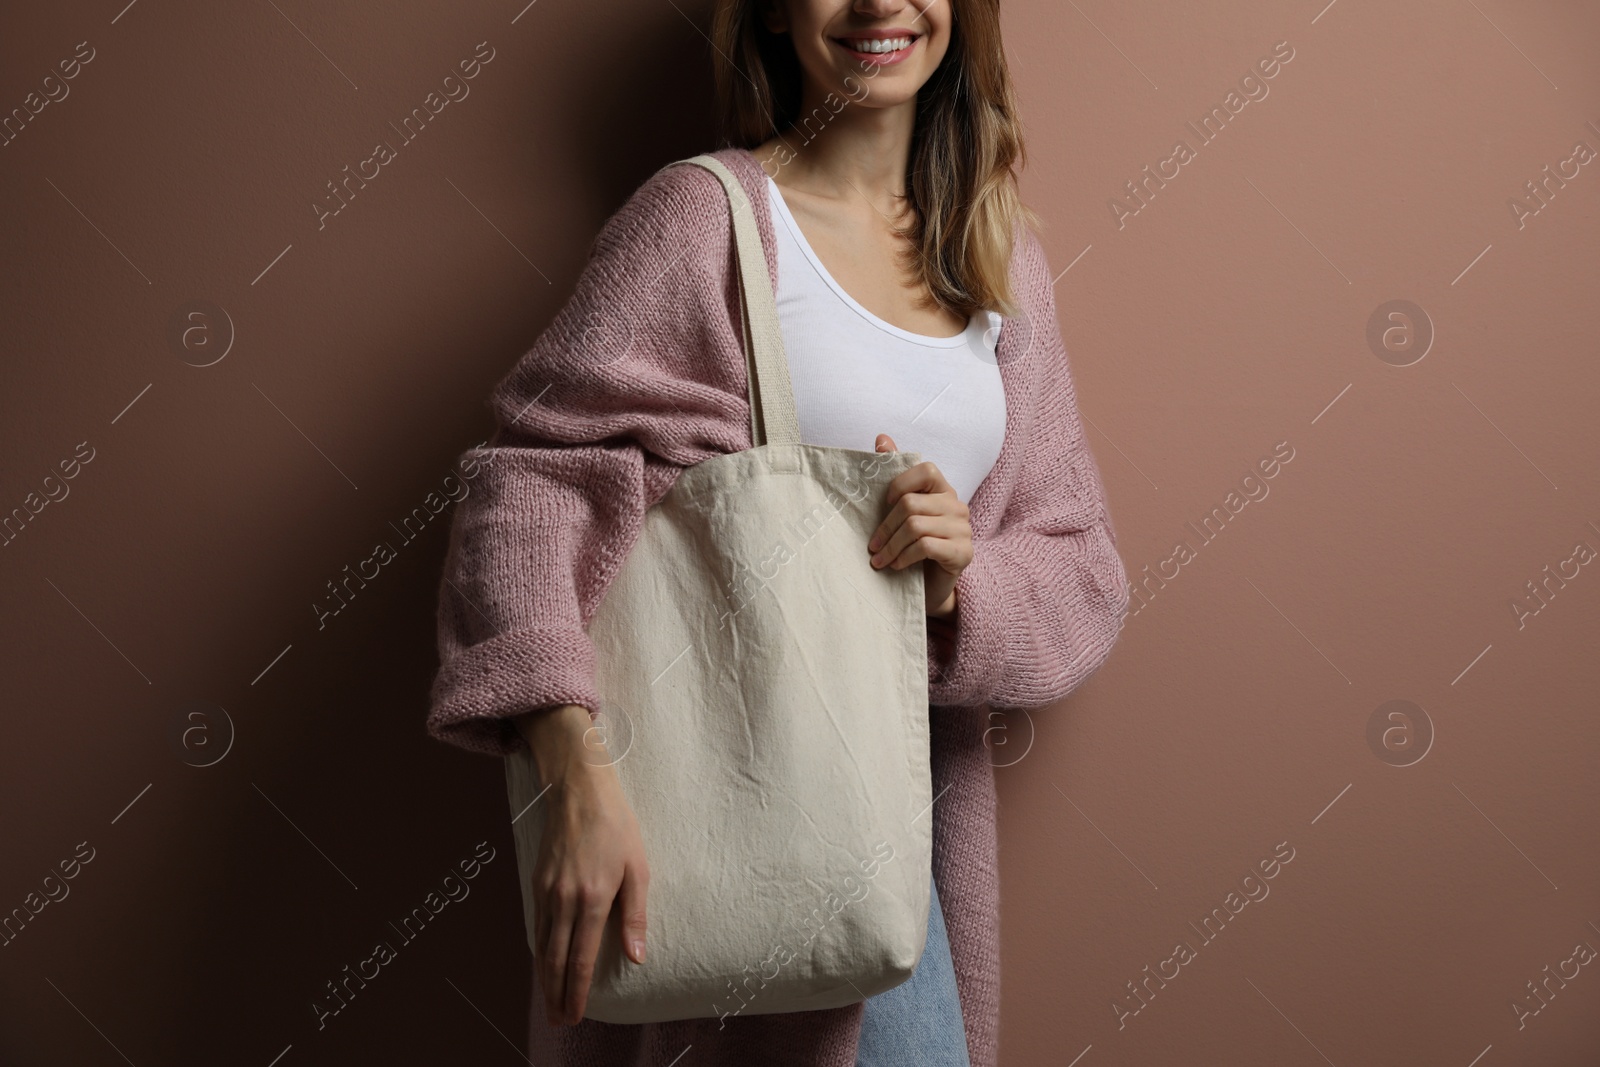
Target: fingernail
638, 950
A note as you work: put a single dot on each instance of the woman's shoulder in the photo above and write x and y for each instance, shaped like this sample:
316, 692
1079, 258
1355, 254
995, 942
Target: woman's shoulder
647, 327
1031, 337
1029, 264
681, 204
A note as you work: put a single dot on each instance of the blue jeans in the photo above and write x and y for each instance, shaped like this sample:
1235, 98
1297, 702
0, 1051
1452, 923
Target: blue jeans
918, 1022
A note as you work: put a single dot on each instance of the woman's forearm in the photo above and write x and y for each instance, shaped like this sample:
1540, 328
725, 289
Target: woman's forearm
591, 857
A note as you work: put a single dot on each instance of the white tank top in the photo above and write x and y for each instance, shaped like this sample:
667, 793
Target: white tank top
856, 376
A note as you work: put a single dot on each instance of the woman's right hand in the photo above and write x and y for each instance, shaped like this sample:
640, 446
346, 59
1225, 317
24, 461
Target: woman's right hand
591, 855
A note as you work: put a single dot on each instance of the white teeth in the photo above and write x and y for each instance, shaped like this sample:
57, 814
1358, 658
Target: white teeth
888, 44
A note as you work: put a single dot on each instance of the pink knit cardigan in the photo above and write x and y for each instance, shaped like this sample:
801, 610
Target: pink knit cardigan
640, 375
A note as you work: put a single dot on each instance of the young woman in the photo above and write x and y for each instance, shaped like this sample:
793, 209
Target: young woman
876, 140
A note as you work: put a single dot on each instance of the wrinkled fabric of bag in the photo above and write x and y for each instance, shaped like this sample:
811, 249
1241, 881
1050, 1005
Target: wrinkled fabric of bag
766, 708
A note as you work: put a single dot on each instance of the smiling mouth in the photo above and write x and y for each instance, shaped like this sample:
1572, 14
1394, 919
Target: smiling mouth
877, 46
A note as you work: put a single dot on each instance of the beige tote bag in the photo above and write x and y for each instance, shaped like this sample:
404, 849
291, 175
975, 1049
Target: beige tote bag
766, 709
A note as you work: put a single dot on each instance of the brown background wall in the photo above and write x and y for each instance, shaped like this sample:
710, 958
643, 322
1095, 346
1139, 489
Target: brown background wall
1437, 867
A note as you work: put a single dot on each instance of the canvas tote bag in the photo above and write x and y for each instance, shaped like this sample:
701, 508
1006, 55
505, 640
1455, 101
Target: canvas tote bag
766, 710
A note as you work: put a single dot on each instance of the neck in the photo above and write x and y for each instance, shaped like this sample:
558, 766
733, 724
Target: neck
861, 151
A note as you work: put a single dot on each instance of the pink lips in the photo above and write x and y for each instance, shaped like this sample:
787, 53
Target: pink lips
880, 59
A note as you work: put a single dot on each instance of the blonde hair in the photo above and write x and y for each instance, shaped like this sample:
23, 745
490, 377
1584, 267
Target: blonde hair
960, 181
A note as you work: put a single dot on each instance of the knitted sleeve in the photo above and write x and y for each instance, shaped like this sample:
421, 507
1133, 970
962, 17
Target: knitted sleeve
639, 376
1043, 600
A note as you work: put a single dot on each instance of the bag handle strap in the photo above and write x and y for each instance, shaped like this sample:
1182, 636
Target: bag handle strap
772, 412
